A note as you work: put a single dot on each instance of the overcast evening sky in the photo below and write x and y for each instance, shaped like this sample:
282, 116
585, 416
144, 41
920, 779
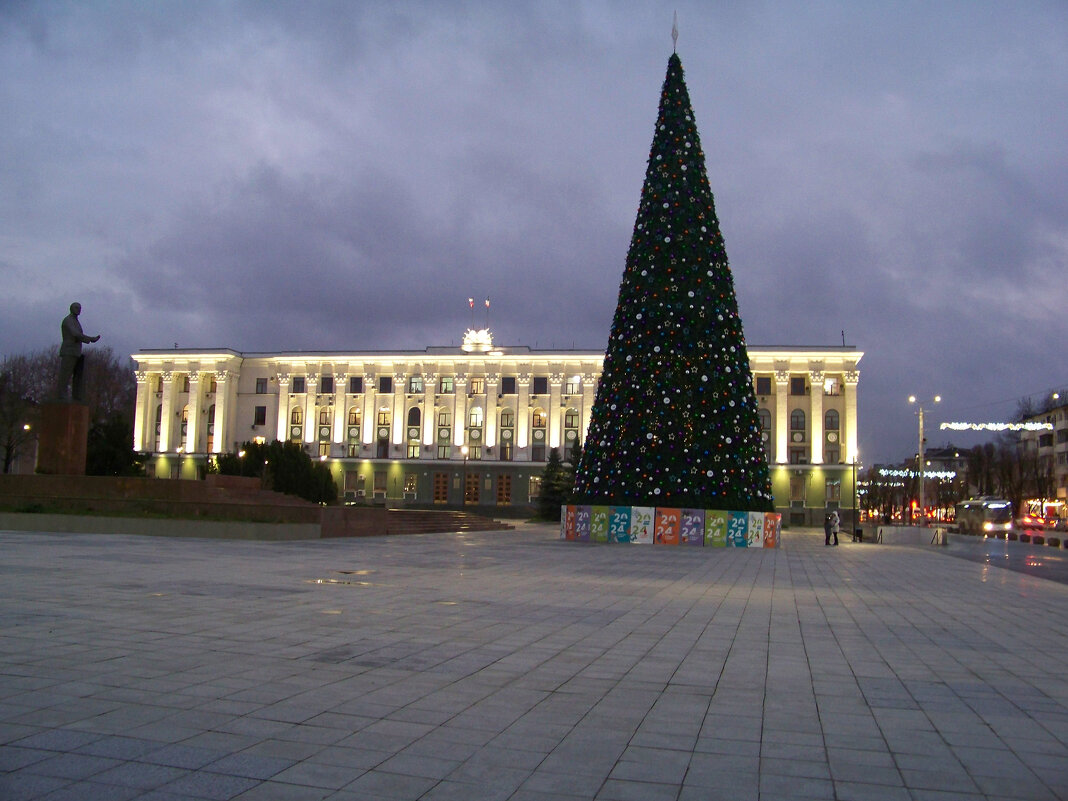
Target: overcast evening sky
344, 175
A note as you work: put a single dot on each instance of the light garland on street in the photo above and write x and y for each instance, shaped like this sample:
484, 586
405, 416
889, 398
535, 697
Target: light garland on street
997, 426
947, 475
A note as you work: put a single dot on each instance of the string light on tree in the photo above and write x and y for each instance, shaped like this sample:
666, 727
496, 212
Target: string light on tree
675, 419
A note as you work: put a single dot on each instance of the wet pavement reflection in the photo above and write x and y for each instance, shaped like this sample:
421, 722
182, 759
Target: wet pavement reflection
1040, 561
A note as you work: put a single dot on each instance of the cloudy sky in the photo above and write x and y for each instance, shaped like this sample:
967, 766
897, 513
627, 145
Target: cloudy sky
344, 175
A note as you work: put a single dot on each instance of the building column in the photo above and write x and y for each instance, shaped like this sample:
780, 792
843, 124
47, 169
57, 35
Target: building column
589, 395
192, 429
311, 412
782, 415
459, 414
141, 411
554, 412
400, 413
522, 414
492, 410
852, 378
370, 409
430, 412
166, 426
282, 425
815, 411
340, 407
222, 410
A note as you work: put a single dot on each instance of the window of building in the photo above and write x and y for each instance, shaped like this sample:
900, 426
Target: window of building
471, 483
261, 386
185, 428
474, 453
571, 418
833, 490
832, 386
326, 415
765, 419
537, 419
296, 424
573, 385
444, 450
797, 488
540, 385
475, 417
354, 418
411, 482
797, 385
415, 417
1062, 436
507, 435
444, 417
355, 384
159, 426
537, 453
830, 420
385, 384
1045, 440
185, 383
797, 420
763, 385
504, 490
508, 385
326, 385
798, 456
259, 416
211, 428
384, 417
298, 385
478, 386
445, 385
441, 487
324, 447
415, 384
380, 484
833, 455
534, 488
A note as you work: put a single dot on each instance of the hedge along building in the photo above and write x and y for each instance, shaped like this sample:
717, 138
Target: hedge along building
392, 424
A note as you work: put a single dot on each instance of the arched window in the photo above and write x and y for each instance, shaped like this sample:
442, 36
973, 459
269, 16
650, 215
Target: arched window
354, 416
382, 434
538, 419
185, 429
296, 417
830, 420
474, 417
326, 415
507, 418
414, 416
797, 420
444, 417
765, 419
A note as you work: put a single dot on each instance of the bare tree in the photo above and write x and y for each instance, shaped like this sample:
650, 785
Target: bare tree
26, 381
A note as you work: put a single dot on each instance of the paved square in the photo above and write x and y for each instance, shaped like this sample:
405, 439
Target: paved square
511, 665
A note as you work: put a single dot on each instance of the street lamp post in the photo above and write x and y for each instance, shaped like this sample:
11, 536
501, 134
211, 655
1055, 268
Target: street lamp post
923, 507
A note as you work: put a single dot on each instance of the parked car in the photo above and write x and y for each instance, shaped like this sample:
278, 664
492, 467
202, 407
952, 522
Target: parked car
1030, 523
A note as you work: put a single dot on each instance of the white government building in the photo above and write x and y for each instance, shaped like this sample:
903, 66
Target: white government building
469, 425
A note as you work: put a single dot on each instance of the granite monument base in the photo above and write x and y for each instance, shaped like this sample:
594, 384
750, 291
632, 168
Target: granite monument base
62, 439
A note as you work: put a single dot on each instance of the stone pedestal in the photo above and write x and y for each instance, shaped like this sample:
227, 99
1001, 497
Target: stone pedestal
62, 439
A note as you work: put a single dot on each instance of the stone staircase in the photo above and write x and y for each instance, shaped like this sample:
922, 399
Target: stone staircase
421, 521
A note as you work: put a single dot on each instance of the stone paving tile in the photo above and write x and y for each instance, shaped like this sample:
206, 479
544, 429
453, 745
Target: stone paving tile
548, 671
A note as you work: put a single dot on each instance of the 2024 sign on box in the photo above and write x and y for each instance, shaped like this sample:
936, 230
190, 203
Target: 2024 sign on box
648, 525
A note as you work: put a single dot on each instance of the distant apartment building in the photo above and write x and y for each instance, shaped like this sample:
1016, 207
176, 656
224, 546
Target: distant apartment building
1050, 446
468, 425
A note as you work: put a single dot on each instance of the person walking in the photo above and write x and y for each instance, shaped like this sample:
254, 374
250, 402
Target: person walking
827, 529
835, 524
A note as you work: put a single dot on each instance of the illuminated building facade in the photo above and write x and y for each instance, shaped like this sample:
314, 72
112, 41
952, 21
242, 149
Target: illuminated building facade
466, 426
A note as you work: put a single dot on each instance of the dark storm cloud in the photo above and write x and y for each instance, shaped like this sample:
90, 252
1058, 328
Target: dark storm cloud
345, 175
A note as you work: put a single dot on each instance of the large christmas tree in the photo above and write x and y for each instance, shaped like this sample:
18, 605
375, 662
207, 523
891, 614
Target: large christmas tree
675, 420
